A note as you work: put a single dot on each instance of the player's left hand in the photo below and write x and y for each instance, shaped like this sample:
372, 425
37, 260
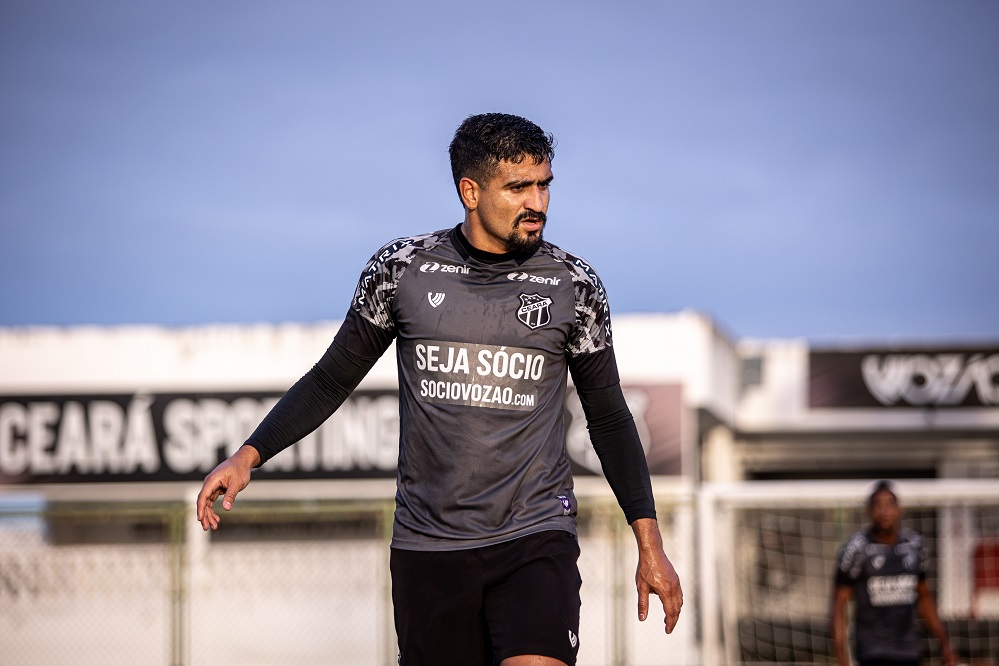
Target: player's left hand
656, 574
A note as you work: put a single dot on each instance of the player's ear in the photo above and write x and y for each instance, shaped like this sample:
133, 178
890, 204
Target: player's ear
469, 191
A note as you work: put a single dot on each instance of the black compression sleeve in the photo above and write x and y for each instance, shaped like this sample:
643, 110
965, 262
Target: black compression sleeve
616, 441
319, 393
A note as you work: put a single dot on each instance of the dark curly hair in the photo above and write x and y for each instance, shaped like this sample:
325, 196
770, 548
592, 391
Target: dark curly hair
880, 487
482, 141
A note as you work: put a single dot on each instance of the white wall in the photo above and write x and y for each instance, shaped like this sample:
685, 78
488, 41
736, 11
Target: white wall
202, 358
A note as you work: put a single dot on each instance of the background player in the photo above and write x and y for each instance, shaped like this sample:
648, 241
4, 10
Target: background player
883, 568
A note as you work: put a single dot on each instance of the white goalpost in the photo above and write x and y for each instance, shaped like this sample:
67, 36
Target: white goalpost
767, 558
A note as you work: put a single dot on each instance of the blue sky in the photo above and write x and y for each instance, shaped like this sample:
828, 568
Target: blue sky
827, 170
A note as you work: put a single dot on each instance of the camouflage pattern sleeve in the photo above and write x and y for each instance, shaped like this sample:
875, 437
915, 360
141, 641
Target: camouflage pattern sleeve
377, 285
849, 560
592, 332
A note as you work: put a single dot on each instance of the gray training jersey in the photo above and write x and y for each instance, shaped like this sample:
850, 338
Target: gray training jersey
483, 350
885, 579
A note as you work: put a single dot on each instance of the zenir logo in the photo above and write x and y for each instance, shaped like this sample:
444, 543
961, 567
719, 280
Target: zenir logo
434, 267
518, 276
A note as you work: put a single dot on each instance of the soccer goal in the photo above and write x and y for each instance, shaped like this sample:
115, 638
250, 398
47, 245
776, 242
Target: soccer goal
767, 561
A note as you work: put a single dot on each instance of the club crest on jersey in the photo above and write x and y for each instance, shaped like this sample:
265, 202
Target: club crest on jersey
533, 311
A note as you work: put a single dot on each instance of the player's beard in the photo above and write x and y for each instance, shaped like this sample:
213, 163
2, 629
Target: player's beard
526, 243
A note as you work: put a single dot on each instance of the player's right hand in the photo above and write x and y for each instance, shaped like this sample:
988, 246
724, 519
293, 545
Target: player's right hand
655, 574
230, 477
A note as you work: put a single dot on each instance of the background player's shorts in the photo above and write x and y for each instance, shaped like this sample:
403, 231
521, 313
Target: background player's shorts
483, 605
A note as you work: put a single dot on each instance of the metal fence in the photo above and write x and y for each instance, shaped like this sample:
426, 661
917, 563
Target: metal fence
298, 574
283, 582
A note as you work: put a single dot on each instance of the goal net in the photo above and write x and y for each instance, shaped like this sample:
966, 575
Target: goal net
768, 557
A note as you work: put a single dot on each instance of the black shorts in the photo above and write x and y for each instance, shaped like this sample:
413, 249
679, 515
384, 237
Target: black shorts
483, 605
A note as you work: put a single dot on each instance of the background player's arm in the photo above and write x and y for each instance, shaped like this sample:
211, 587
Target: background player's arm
842, 596
928, 611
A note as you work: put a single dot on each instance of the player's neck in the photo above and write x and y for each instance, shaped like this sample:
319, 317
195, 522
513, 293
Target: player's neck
887, 537
467, 248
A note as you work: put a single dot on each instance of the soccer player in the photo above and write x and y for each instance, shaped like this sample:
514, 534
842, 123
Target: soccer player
488, 319
883, 569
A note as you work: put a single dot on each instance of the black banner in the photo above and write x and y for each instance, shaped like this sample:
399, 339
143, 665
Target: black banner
914, 378
183, 436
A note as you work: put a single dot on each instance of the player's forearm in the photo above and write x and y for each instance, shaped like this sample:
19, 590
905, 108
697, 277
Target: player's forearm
649, 540
311, 401
647, 535
839, 635
300, 411
615, 439
928, 611
839, 641
246, 455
